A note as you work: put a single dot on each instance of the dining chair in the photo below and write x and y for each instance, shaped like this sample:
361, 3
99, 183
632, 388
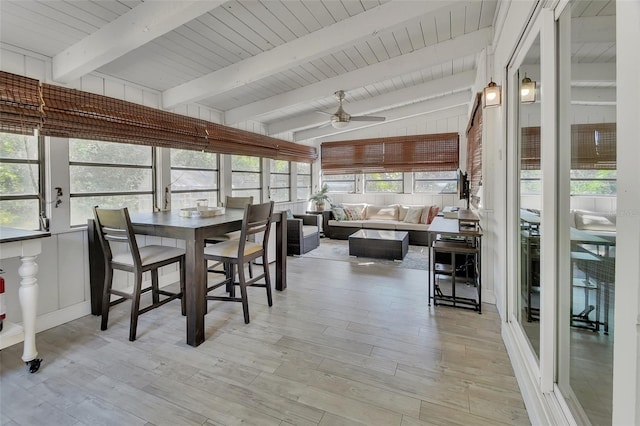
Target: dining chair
121, 252
234, 254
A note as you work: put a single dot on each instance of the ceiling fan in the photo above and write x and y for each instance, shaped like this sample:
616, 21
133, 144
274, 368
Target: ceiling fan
340, 119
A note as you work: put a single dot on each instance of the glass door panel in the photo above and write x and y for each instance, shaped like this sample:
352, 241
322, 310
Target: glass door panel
530, 193
587, 155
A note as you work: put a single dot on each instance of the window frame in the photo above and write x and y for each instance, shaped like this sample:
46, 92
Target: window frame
152, 167
39, 162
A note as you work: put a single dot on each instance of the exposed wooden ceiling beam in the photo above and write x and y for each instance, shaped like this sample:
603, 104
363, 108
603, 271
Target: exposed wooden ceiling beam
387, 101
319, 43
415, 61
413, 110
135, 28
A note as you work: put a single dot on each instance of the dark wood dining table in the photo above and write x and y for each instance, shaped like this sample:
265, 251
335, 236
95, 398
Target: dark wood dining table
193, 231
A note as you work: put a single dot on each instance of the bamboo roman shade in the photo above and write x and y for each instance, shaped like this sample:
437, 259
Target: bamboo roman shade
437, 152
593, 147
20, 104
474, 150
26, 104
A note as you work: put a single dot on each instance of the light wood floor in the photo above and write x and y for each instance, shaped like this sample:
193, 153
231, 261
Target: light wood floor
345, 344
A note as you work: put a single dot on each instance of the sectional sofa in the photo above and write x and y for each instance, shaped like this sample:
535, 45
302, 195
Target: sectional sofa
345, 219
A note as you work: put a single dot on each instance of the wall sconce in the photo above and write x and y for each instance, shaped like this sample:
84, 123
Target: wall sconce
492, 95
527, 90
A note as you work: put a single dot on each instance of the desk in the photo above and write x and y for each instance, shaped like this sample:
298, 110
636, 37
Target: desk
27, 246
453, 228
194, 231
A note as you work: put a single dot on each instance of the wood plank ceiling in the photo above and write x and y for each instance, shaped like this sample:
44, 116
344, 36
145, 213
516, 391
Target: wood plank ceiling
274, 61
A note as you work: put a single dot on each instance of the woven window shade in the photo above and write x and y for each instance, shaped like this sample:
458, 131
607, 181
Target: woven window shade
530, 148
418, 153
588, 151
68, 112
593, 146
474, 150
20, 104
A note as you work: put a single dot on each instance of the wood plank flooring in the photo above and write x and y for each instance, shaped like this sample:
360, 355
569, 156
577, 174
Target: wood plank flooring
345, 344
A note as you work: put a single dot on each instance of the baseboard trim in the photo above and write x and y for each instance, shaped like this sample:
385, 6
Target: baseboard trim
543, 408
61, 316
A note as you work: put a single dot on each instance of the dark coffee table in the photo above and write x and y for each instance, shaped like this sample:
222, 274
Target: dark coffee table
381, 244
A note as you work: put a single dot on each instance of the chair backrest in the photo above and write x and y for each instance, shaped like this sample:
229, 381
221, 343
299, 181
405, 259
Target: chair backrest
237, 202
114, 225
257, 218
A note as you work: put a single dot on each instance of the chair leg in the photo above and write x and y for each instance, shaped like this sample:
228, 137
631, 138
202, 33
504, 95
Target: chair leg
267, 281
231, 276
106, 298
135, 306
183, 297
155, 288
243, 293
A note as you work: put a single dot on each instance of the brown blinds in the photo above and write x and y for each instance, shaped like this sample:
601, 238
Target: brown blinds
438, 152
20, 104
73, 113
474, 150
593, 147
530, 148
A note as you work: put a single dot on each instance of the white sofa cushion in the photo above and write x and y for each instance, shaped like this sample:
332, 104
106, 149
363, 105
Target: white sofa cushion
404, 226
346, 223
413, 215
593, 221
379, 224
403, 209
373, 212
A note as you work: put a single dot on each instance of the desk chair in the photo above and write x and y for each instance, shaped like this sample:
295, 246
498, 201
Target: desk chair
234, 254
114, 228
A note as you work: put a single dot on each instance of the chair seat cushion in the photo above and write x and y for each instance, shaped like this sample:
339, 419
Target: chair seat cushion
229, 249
233, 235
309, 230
149, 255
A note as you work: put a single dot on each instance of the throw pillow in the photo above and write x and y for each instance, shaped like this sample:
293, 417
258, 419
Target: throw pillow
338, 213
429, 214
353, 213
289, 214
413, 215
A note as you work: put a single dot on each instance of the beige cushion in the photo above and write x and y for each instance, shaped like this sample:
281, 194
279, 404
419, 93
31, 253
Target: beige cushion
592, 221
148, 255
309, 230
358, 206
381, 212
379, 224
346, 223
413, 215
230, 249
403, 226
403, 209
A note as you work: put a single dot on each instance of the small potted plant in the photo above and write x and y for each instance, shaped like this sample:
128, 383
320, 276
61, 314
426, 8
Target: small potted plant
320, 197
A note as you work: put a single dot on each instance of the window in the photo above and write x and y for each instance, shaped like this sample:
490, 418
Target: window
303, 178
435, 182
109, 175
340, 183
530, 182
383, 182
280, 181
20, 181
593, 182
194, 175
246, 174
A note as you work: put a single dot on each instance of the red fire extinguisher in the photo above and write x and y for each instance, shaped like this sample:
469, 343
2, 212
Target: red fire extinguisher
3, 311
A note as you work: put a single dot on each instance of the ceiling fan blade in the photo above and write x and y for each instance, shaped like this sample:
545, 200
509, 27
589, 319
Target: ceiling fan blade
367, 118
322, 112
